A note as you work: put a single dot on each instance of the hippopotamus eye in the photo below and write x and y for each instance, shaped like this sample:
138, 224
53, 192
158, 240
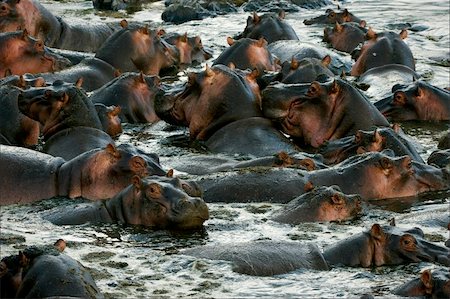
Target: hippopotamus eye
408, 242
332, 14
154, 190
385, 163
399, 99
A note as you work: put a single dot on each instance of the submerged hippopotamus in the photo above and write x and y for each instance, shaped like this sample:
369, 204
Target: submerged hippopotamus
320, 204
385, 245
20, 53
416, 101
440, 158
97, 174
190, 49
381, 49
45, 272
433, 285
153, 201
317, 112
269, 26
332, 17
345, 37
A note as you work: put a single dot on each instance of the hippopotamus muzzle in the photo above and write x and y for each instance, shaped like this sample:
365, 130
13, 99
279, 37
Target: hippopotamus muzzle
432, 178
59, 62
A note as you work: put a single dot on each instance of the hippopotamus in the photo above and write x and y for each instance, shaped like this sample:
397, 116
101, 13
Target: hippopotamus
434, 285
285, 50
53, 30
22, 81
247, 53
381, 49
109, 117
134, 93
345, 37
190, 49
317, 112
321, 204
332, 17
71, 125
395, 177
440, 158
416, 101
305, 70
263, 258
21, 53
45, 272
151, 201
97, 174
269, 26
444, 141
364, 141
385, 245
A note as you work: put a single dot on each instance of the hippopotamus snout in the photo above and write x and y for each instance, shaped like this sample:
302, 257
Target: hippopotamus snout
59, 62
430, 177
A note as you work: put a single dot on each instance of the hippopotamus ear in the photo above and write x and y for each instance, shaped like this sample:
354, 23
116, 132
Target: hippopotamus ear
403, 34
169, 173
60, 245
392, 221
427, 279
230, 41
346, 16
124, 23
208, 71
371, 34
231, 66
283, 159
338, 27
184, 38
256, 18
326, 60
376, 232
337, 199
294, 63
111, 149
419, 92
308, 186
334, 87
136, 181
386, 165
262, 42
117, 73
377, 138
79, 82
282, 14
363, 24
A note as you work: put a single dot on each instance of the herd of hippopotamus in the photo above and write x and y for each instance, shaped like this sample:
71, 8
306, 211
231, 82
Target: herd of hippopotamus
317, 143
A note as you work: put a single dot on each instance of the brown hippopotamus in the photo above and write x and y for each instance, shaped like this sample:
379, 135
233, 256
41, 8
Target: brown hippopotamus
190, 49
317, 112
381, 49
21, 53
45, 272
333, 17
153, 201
433, 285
54, 31
416, 101
109, 117
134, 93
373, 175
345, 37
304, 71
320, 204
385, 245
97, 174
269, 26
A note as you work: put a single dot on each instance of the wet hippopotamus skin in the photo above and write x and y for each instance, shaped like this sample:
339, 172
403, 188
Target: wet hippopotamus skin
333, 17
342, 110
247, 53
263, 258
20, 53
416, 101
151, 201
395, 177
45, 272
381, 49
322, 204
444, 141
431, 284
190, 49
269, 26
345, 37
53, 30
109, 117
97, 174
134, 93
385, 245
440, 158
22, 81
304, 71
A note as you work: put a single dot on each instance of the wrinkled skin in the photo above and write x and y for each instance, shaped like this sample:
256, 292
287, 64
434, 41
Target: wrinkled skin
305, 70
269, 26
416, 101
109, 117
20, 54
433, 285
190, 49
148, 202
247, 53
381, 49
134, 93
263, 258
332, 17
210, 100
322, 204
97, 174
385, 245
45, 273
317, 112
345, 37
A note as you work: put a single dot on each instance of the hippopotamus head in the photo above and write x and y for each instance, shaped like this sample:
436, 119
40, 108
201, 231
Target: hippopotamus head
305, 70
190, 48
210, 100
333, 17
345, 37
21, 53
161, 203
386, 245
59, 106
434, 285
317, 112
109, 117
416, 101
23, 81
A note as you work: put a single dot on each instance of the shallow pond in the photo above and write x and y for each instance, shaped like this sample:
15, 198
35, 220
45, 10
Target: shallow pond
137, 262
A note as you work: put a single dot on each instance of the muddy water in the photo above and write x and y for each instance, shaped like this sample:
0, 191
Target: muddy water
138, 262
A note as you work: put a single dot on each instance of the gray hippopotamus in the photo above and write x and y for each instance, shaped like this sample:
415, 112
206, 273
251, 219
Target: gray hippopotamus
153, 201
317, 112
416, 101
431, 284
269, 26
333, 17
321, 204
190, 48
45, 272
345, 37
440, 158
97, 174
